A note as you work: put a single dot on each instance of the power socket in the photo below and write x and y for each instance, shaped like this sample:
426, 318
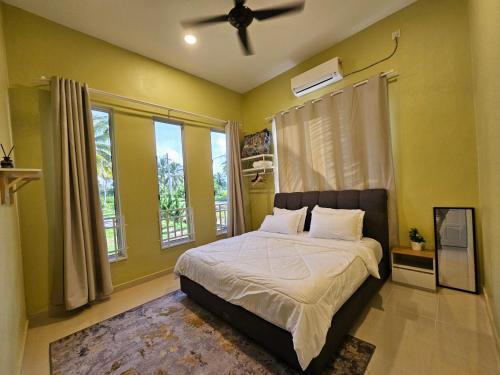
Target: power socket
396, 34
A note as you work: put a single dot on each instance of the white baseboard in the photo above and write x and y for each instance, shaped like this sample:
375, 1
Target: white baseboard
491, 318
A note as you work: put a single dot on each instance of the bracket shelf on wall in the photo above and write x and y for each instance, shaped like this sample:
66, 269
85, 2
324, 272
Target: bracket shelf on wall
247, 165
13, 179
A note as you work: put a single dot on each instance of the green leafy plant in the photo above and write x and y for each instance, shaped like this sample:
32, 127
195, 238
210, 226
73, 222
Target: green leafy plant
415, 236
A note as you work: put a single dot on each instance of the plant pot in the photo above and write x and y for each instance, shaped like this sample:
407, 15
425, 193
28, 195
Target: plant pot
417, 245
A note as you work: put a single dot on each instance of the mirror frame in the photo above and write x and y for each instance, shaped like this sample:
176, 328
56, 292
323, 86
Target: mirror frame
474, 244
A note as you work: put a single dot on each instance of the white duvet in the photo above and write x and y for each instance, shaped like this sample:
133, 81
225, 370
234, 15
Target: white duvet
293, 281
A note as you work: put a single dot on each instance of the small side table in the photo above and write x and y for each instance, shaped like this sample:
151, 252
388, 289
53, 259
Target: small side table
413, 267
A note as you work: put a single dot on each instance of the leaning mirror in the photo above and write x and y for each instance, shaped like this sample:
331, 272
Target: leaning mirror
456, 258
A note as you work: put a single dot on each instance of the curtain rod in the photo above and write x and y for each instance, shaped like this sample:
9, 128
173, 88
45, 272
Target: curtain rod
389, 74
143, 102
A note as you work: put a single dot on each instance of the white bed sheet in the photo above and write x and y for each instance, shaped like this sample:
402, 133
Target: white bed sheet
293, 281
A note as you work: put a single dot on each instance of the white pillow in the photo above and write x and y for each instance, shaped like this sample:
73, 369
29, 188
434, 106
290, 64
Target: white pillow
286, 224
360, 214
337, 224
302, 211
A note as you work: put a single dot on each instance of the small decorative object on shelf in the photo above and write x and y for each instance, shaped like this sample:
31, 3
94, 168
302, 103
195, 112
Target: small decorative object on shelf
417, 241
7, 162
257, 144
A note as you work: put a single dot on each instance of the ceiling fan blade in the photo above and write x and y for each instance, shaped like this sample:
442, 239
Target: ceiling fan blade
264, 14
205, 21
245, 43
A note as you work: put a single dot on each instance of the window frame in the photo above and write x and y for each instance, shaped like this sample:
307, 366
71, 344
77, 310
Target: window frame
120, 254
218, 232
189, 210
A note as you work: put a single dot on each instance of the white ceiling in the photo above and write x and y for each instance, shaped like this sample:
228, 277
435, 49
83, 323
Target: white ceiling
151, 28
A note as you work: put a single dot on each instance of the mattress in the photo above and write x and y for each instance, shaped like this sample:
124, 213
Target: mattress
293, 281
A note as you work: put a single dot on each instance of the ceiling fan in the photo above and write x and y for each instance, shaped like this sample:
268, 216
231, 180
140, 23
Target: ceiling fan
240, 17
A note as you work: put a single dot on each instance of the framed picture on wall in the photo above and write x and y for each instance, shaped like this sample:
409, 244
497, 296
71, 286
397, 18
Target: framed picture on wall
456, 255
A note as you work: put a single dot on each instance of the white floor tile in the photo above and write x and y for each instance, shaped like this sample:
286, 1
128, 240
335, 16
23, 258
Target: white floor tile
415, 332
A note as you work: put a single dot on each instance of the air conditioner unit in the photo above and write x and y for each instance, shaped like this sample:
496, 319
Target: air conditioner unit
318, 77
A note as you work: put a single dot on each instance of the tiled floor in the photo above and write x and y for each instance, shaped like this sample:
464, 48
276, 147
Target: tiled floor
415, 332
419, 332
36, 352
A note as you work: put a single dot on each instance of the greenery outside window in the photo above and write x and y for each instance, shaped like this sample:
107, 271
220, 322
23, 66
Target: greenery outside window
114, 225
219, 172
175, 215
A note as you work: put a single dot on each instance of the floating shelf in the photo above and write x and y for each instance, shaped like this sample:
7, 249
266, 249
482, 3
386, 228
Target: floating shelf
13, 179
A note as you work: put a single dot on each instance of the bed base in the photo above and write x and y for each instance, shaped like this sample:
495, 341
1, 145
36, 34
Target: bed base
276, 340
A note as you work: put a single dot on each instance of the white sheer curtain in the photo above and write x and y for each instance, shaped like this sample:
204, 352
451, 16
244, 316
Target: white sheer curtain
339, 142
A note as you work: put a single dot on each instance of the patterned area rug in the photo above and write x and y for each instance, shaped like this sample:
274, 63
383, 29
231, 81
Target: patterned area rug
175, 336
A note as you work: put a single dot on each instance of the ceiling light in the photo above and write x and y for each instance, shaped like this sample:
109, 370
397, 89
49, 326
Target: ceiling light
190, 39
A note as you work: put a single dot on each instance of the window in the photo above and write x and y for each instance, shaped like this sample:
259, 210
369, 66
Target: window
108, 185
219, 172
175, 214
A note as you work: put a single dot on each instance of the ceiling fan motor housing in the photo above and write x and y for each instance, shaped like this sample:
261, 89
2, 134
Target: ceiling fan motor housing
240, 16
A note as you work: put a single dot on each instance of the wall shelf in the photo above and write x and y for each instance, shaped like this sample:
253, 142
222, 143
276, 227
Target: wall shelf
253, 171
247, 165
258, 157
13, 179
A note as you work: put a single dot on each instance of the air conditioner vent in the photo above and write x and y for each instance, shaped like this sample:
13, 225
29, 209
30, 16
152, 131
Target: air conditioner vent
317, 77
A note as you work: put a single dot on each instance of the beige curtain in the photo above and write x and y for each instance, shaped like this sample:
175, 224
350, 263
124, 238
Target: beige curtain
236, 216
342, 141
84, 265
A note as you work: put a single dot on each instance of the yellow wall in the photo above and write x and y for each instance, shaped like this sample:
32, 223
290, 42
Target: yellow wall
485, 38
434, 138
12, 307
434, 142
36, 47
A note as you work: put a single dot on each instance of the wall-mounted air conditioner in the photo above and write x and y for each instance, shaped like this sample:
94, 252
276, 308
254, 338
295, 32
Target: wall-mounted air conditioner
317, 77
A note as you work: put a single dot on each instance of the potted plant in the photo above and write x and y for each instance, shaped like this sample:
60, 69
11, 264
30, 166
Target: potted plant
417, 241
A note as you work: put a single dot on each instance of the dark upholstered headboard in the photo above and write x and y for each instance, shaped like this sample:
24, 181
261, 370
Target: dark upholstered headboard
372, 201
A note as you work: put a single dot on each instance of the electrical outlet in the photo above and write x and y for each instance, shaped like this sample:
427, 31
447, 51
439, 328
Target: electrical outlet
396, 34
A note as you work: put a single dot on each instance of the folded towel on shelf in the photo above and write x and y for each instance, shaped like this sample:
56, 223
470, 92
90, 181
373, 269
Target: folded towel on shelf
263, 164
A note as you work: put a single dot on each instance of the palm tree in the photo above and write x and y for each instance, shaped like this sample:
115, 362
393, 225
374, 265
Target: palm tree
220, 186
224, 166
171, 180
220, 179
103, 151
170, 173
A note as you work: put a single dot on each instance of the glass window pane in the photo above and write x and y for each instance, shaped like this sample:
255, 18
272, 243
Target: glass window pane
219, 172
175, 215
170, 162
108, 194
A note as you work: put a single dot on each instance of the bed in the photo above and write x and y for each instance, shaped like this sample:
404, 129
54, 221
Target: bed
272, 288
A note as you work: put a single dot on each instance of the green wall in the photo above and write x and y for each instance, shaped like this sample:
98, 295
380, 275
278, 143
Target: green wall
485, 38
36, 47
434, 141
12, 307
